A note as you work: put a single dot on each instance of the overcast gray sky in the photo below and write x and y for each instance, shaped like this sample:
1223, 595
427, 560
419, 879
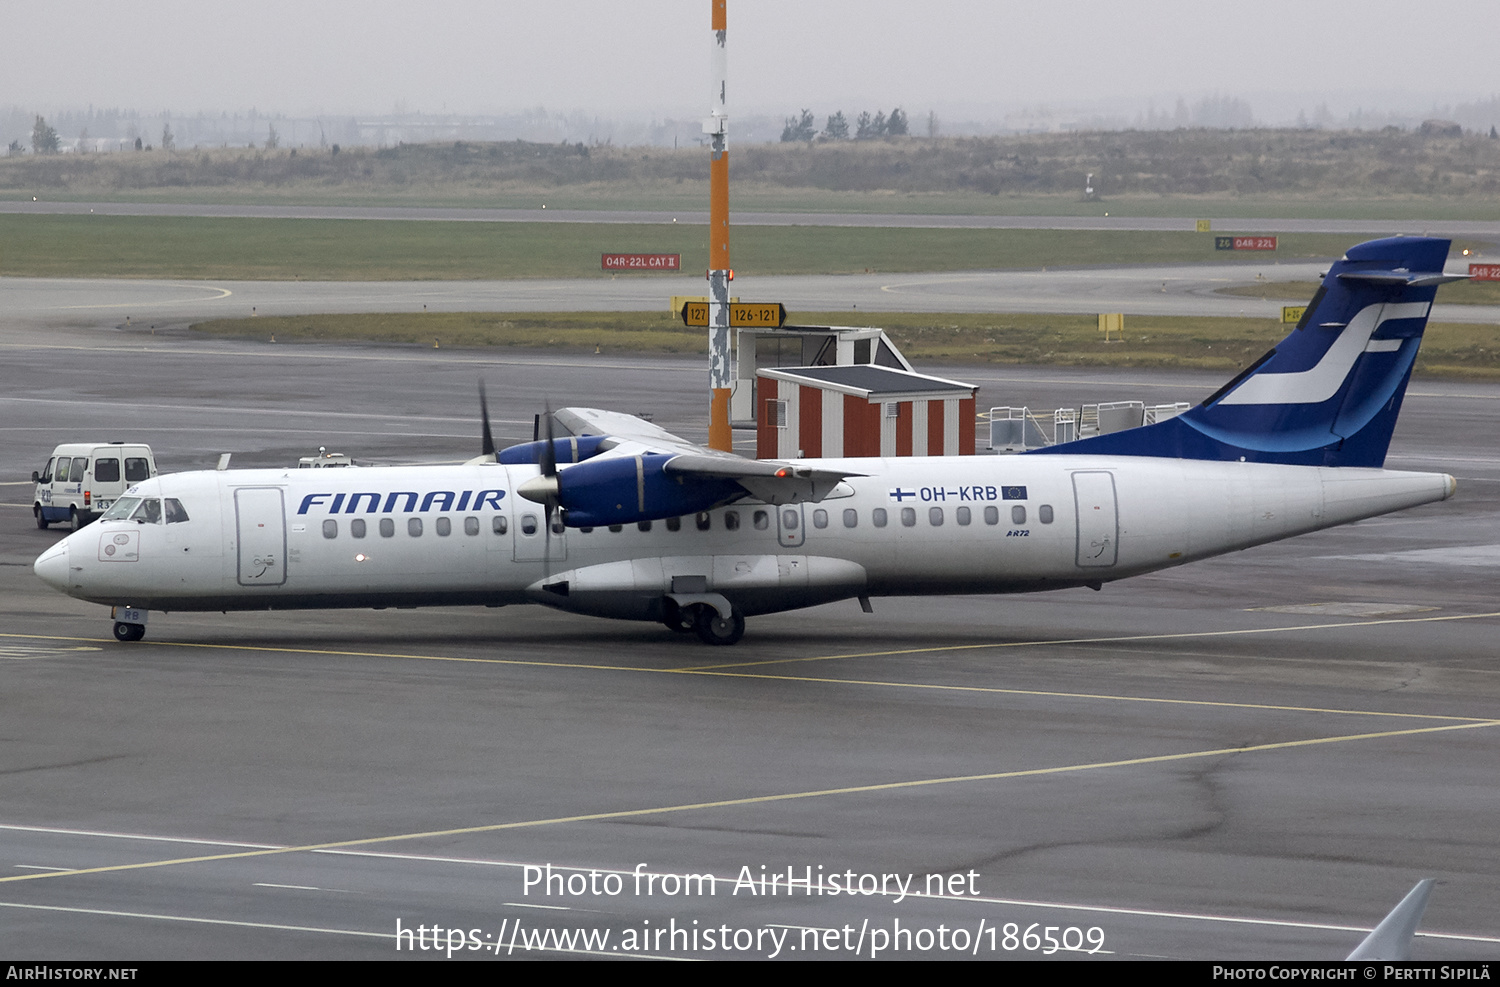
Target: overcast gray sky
645, 57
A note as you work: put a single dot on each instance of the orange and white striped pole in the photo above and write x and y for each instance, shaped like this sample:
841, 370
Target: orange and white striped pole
717, 127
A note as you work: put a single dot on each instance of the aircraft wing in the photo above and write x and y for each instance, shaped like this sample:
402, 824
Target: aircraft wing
638, 471
1392, 938
622, 427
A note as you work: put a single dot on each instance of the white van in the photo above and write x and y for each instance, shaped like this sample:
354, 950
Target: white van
82, 480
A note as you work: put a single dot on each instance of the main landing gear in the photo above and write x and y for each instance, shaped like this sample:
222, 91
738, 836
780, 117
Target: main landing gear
704, 619
713, 629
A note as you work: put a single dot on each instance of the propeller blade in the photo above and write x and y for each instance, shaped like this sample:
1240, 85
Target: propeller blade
484, 414
548, 459
548, 462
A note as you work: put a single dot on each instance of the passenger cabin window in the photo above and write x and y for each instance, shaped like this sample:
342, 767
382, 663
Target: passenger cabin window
820, 518
330, 528
176, 513
471, 526
935, 516
878, 515
643, 525
528, 524
1018, 515
992, 515
851, 518
762, 521
1044, 513
789, 520
357, 527
963, 515
107, 470
703, 519
908, 517
557, 525
731, 520
414, 527
443, 526
674, 524
387, 528
499, 524
617, 528
136, 470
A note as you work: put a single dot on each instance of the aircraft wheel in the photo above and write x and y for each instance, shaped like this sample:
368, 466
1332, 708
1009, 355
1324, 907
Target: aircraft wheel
129, 632
41, 519
676, 618
713, 629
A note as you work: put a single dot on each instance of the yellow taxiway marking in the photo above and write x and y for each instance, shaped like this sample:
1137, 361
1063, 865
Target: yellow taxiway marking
752, 800
726, 671
1096, 640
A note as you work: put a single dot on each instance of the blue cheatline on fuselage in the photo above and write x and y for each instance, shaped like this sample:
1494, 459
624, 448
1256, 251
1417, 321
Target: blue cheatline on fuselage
1329, 393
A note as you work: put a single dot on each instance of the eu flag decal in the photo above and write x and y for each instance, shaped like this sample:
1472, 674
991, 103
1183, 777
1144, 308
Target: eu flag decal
1012, 493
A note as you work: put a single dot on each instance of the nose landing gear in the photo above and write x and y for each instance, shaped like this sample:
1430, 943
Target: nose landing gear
130, 623
129, 632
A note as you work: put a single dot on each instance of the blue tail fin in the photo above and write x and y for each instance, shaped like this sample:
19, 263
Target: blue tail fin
1328, 394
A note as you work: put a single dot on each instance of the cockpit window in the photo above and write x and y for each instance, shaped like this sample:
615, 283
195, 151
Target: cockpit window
149, 512
121, 509
175, 511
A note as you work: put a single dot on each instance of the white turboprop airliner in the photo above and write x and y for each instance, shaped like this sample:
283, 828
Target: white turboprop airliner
622, 519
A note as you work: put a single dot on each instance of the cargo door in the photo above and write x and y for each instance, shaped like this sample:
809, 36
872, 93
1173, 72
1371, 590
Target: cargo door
260, 521
1098, 519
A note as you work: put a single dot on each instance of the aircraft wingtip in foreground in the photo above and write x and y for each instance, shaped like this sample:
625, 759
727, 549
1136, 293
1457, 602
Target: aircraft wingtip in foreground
623, 519
1392, 938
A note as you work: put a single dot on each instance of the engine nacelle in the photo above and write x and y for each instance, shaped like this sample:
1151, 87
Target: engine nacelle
627, 490
573, 449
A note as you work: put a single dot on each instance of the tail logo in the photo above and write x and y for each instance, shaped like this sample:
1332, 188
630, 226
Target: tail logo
1323, 380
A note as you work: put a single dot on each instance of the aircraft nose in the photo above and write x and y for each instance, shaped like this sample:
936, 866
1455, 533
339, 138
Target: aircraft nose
52, 566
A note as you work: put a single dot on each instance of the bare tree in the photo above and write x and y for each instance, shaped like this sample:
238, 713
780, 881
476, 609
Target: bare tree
273, 139
168, 139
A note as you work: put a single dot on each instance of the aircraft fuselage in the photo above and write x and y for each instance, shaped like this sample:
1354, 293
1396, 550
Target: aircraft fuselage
428, 536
